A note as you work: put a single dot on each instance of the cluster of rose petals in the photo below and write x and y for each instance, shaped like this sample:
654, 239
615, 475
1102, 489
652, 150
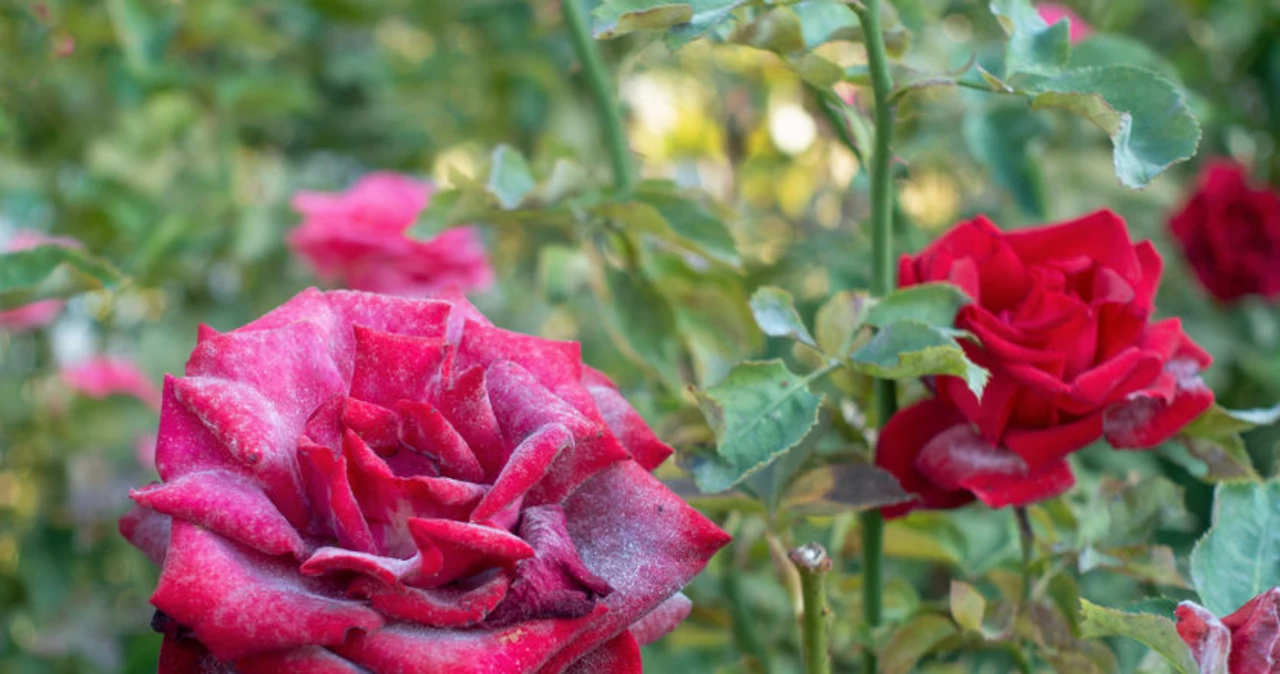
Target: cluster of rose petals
105, 376
1053, 12
1246, 642
36, 314
365, 483
357, 238
1063, 318
1229, 232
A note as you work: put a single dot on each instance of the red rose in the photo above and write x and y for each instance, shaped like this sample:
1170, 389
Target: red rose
36, 314
362, 483
105, 376
1063, 314
1247, 640
357, 238
1230, 233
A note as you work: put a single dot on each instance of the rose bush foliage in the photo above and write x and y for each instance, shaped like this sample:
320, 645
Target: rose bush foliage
362, 483
1246, 642
36, 314
357, 239
1229, 232
1062, 316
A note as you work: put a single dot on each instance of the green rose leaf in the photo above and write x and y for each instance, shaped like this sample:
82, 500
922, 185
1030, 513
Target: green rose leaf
933, 304
51, 272
913, 641
839, 319
645, 325
909, 349
1147, 116
1034, 46
1001, 134
822, 21
689, 223
760, 411
1214, 439
778, 30
509, 177
707, 15
1155, 632
967, 606
1239, 558
619, 17
776, 314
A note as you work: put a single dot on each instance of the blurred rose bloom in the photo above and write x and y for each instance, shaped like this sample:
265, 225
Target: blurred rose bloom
109, 375
1052, 13
1229, 231
357, 239
36, 314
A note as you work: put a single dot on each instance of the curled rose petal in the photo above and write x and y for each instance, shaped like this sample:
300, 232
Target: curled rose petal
1245, 642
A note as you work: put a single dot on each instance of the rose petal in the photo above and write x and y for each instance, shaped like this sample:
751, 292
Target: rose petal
460, 604
1041, 447
390, 367
518, 648
425, 429
378, 426
451, 550
1100, 236
526, 467
238, 602
1148, 418
148, 531
1255, 634
900, 443
1208, 639
621, 510
254, 435
619, 655
464, 402
306, 660
332, 498
630, 428
658, 622
554, 583
227, 504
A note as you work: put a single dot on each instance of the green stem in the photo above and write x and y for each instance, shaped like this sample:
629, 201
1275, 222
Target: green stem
575, 17
882, 283
813, 564
1027, 539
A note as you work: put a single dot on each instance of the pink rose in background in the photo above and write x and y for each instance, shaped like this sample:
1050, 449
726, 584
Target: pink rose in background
1052, 13
363, 483
36, 314
357, 238
106, 376
1246, 642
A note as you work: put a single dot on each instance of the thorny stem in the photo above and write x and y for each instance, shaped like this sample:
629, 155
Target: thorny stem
882, 283
575, 17
812, 562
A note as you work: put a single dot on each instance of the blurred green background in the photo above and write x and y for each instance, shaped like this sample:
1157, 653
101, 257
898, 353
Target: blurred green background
168, 136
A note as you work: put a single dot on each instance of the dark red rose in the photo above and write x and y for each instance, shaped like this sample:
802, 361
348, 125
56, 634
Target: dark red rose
1063, 314
362, 483
1247, 640
1230, 234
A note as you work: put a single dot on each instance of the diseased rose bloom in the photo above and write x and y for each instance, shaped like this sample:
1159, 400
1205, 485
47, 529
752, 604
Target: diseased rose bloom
1063, 315
1229, 232
363, 483
36, 314
1053, 12
111, 375
357, 238
1247, 641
